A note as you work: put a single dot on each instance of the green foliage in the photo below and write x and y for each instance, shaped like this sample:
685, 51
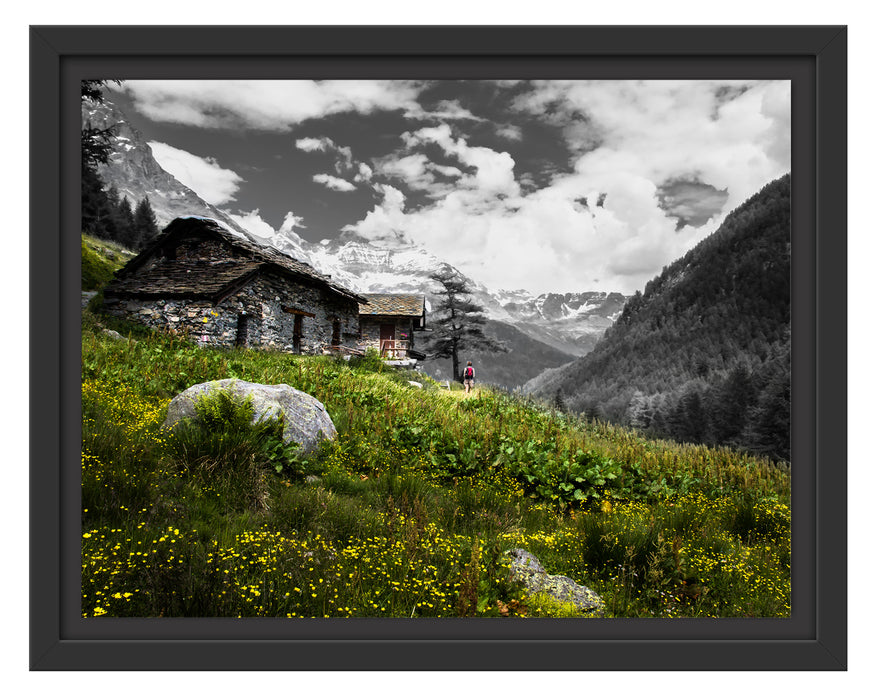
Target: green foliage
222, 412
408, 512
543, 605
687, 556
559, 479
371, 362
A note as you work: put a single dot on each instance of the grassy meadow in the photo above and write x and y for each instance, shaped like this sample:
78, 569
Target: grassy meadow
409, 513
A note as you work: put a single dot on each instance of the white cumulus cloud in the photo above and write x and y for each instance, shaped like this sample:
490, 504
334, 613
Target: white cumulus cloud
203, 175
310, 144
493, 171
271, 105
333, 183
252, 222
292, 222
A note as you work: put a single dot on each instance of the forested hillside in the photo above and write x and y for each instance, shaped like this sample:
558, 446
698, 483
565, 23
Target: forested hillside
703, 353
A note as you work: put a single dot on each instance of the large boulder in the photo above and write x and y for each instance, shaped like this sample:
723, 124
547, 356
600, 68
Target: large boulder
527, 571
306, 421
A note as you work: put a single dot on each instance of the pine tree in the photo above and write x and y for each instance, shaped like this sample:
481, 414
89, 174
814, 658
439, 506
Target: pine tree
768, 430
559, 401
95, 208
688, 422
639, 411
145, 223
457, 323
125, 223
731, 406
95, 149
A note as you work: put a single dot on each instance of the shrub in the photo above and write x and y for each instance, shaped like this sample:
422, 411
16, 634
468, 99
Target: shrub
371, 362
223, 448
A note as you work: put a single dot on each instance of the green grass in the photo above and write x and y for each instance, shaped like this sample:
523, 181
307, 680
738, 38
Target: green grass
100, 259
413, 506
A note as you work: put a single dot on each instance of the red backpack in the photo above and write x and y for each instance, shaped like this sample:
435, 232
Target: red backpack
469, 373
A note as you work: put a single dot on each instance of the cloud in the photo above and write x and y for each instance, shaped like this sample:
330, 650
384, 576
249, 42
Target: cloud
554, 239
214, 184
446, 110
333, 183
732, 135
512, 132
270, 105
252, 222
491, 172
291, 222
364, 174
314, 144
419, 173
344, 164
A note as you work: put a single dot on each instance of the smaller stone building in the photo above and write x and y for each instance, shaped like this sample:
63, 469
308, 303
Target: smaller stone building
389, 323
199, 279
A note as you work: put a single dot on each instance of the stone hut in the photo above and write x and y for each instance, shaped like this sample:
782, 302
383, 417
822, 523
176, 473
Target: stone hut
389, 323
219, 289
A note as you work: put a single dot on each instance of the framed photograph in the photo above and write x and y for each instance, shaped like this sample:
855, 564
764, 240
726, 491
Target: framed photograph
616, 257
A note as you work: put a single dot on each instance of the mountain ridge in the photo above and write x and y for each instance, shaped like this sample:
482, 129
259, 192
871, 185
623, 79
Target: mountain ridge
703, 353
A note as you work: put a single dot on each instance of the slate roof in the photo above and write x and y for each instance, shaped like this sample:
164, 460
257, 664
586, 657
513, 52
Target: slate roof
392, 305
187, 279
208, 279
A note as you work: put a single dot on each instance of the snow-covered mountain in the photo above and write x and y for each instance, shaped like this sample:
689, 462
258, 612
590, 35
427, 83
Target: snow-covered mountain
134, 172
367, 268
571, 323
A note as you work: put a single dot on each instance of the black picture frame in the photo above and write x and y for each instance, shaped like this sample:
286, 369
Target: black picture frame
812, 57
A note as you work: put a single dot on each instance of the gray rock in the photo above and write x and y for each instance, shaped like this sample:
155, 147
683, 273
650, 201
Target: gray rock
306, 421
87, 297
527, 570
112, 334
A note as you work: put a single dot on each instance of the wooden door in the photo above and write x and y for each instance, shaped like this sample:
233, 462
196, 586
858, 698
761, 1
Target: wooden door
298, 334
386, 337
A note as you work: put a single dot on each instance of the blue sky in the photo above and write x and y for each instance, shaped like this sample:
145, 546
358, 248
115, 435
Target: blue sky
541, 185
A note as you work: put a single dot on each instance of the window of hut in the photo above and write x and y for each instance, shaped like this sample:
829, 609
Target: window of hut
242, 331
335, 340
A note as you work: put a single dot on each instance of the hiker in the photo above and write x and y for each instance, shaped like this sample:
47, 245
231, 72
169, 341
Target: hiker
468, 377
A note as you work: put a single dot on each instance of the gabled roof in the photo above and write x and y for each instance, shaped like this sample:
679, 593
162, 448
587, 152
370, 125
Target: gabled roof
209, 279
184, 279
392, 305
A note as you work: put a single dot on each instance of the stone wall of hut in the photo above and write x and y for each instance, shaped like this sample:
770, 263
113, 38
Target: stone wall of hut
370, 329
255, 315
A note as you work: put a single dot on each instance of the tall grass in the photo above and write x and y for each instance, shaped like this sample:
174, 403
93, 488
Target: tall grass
409, 512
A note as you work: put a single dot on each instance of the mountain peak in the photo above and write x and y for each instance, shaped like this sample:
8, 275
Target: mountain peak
133, 170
